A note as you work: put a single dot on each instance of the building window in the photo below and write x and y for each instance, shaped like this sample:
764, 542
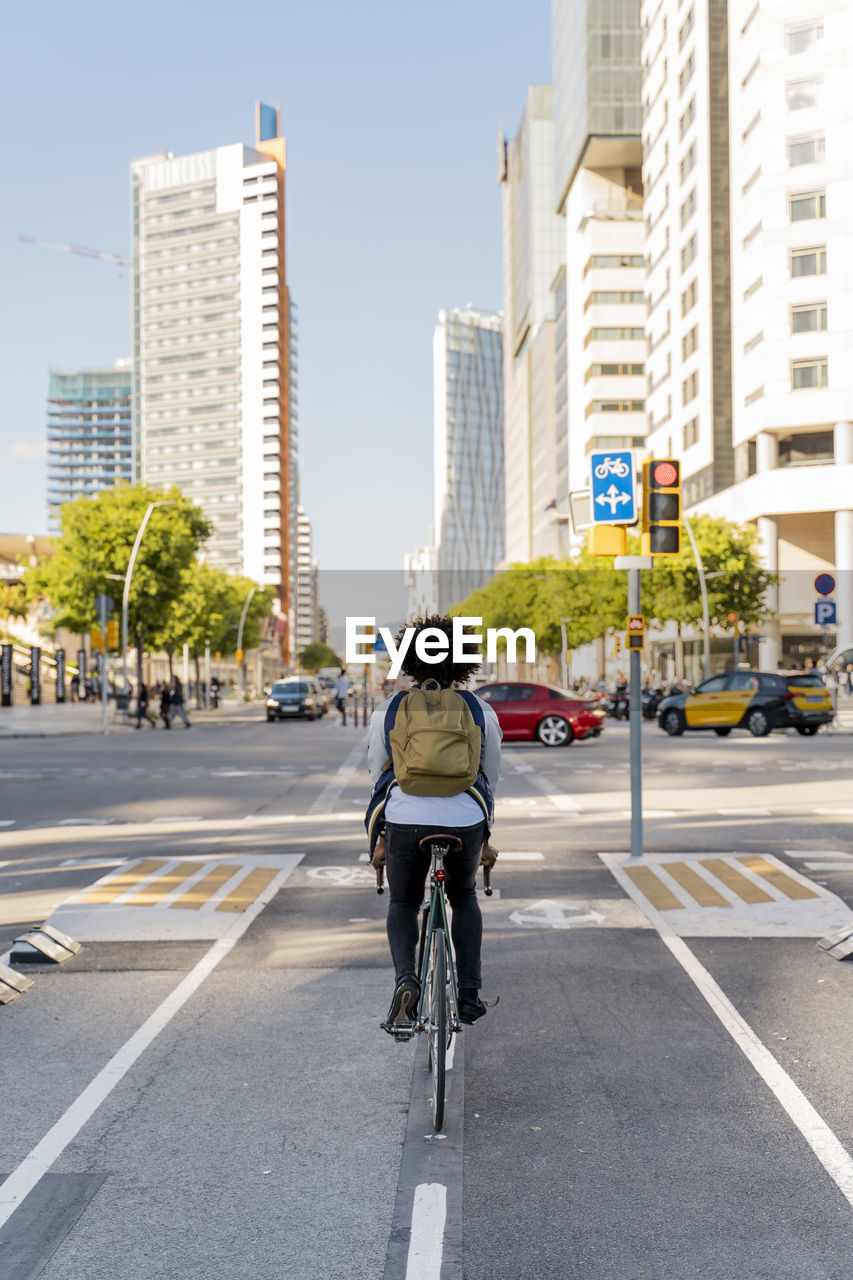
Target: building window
691, 432
805, 449
687, 118
750, 236
806, 151
753, 288
751, 181
605, 260
803, 36
687, 72
809, 262
614, 371
807, 204
604, 297
689, 298
753, 343
600, 334
615, 406
754, 396
688, 252
690, 387
806, 374
809, 318
688, 162
688, 208
690, 342
686, 27
800, 94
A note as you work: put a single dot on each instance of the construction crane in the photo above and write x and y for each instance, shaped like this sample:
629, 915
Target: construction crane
80, 249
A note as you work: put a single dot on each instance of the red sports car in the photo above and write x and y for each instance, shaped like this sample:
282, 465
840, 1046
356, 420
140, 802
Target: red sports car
541, 712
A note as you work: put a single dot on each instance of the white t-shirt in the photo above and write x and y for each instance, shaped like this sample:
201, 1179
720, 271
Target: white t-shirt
341, 686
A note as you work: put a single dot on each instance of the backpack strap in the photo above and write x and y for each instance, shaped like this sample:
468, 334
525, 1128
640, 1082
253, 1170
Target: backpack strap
390, 717
476, 710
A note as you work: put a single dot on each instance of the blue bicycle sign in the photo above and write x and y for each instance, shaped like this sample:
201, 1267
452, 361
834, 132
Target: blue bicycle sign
613, 488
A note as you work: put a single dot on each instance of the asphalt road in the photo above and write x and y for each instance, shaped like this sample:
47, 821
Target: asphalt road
663, 1090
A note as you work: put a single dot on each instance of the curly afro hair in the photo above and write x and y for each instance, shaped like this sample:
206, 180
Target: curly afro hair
447, 671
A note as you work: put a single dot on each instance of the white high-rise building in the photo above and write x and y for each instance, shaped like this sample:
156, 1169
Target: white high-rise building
212, 347
599, 297
748, 138
532, 252
469, 451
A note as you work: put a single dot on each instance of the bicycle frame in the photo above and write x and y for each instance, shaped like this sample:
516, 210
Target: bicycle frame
435, 917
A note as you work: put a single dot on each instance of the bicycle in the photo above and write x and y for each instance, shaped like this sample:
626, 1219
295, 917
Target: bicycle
438, 1007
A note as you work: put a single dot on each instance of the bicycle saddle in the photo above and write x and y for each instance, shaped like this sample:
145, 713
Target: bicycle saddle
453, 842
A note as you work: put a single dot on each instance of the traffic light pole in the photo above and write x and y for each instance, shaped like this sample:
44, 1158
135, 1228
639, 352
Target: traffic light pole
636, 725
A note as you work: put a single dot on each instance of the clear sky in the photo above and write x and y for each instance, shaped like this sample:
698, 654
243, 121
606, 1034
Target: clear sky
391, 112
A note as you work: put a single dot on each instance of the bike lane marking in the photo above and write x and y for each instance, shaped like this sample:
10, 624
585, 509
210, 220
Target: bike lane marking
15, 1189
426, 1243
834, 1157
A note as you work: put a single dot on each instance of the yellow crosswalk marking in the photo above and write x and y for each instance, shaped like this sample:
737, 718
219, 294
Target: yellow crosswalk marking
206, 888
732, 879
658, 894
157, 890
120, 884
247, 890
785, 884
696, 886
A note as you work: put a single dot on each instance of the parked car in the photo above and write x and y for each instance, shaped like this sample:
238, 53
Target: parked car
755, 700
542, 713
321, 693
293, 697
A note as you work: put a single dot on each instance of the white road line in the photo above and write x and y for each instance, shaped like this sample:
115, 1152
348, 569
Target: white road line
844, 811
182, 817
83, 822
333, 789
835, 1159
7, 822
815, 853
744, 813
21, 1182
269, 819
566, 804
426, 1243
839, 865
521, 857
5, 864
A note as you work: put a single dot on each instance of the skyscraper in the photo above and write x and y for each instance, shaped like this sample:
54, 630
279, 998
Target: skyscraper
599, 297
212, 347
307, 619
89, 437
533, 243
469, 453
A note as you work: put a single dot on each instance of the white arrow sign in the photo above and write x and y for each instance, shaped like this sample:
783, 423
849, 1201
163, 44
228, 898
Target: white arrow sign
614, 498
554, 915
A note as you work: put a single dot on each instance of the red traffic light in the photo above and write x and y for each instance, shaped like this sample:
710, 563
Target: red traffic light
664, 475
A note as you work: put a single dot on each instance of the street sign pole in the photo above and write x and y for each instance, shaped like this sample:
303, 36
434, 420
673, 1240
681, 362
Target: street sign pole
636, 725
103, 608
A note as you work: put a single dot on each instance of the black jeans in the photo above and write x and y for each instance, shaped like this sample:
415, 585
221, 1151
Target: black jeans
407, 868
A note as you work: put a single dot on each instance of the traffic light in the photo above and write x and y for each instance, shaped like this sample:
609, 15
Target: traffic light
112, 634
661, 507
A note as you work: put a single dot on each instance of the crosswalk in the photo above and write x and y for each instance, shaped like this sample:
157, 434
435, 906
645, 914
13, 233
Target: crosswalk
169, 899
729, 895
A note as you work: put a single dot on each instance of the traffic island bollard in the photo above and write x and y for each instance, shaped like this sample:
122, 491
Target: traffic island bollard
12, 984
43, 946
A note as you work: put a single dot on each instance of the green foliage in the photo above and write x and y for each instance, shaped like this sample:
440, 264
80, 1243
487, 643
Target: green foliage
97, 538
736, 581
13, 601
315, 656
591, 596
208, 610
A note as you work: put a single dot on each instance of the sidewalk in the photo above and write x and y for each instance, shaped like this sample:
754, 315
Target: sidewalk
56, 720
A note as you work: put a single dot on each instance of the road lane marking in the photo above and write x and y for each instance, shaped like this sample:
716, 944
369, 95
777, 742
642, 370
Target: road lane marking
520, 857
784, 883
744, 813
181, 817
160, 888
698, 888
426, 1244
83, 822
653, 889
203, 890
740, 884
45, 1153
247, 890
7, 822
333, 789
115, 886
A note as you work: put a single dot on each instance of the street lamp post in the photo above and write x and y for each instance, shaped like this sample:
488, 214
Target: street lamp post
240, 641
706, 623
564, 662
125, 599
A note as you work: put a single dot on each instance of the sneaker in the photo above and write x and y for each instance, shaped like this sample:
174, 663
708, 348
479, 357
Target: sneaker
404, 1004
471, 1010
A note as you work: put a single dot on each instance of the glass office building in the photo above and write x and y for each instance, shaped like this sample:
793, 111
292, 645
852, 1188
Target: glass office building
469, 451
89, 434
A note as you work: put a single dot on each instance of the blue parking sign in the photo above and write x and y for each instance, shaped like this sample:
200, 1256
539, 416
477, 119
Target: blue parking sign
613, 490
825, 613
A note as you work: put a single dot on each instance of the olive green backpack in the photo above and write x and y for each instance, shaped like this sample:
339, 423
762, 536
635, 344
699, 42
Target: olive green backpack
435, 742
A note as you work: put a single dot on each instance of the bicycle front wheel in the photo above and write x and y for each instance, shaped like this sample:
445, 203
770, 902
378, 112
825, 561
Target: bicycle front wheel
437, 1012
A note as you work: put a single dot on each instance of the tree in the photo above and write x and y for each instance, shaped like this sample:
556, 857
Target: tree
13, 601
207, 611
736, 581
315, 656
97, 538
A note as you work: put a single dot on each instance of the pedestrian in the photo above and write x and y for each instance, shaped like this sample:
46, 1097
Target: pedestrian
447, 801
165, 703
142, 706
341, 691
75, 687
177, 702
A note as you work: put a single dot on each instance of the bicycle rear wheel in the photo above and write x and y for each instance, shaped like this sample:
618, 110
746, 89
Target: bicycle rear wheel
437, 1027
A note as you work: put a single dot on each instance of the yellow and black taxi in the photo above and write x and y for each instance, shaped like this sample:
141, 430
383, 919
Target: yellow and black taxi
755, 700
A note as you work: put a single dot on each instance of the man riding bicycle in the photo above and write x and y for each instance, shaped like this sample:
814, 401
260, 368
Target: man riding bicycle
433, 796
